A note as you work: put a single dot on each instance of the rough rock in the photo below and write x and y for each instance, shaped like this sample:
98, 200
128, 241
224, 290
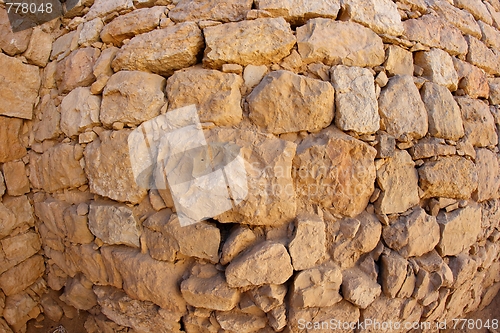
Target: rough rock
207, 288
216, 95
19, 309
114, 224
398, 181
438, 67
301, 10
225, 11
18, 248
490, 36
2, 185
252, 75
79, 111
238, 240
445, 120
109, 170
76, 70
102, 8
331, 169
308, 246
11, 142
58, 168
78, 293
22, 276
476, 7
264, 263
393, 273
461, 19
257, 42
479, 123
494, 84
317, 287
19, 85
430, 147
412, 235
129, 25
449, 177
481, 56
64, 45
39, 48
76, 224
398, 61
463, 268
12, 43
15, 178
143, 52
277, 318
379, 15
355, 100
269, 296
401, 109
488, 173
334, 42
90, 31
459, 230
239, 322
433, 31
16, 212
132, 97
472, 80
314, 98
46, 124
358, 288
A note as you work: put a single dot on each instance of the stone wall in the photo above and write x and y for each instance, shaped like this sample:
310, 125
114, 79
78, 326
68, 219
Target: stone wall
369, 131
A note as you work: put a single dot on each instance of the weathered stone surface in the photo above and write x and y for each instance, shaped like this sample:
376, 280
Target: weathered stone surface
143, 52
333, 43
2, 185
15, 178
12, 43
398, 61
379, 15
269, 296
412, 235
355, 100
236, 321
459, 230
22, 276
38, 51
433, 31
494, 84
479, 123
238, 240
254, 74
79, 111
132, 97
46, 124
438, 67
57, 168
76, 70
445, 120
350, 238
308, 246
64, 45
109, 170
11, 147
461, 19
78, 293
402, 111
331, 169
476, 7
393, 273
19, 309
490, 36
129, 25
257, 42
225, 11
15, 212
298, 11
398, 180
216, 95
317, 287
358, 288
207, 288
265, 263
472, 80
76, 224
488, 173
310, 108
449, 177
481, 56
102, 8
114, 224
430, 147
89, 32
19, 86
18, 248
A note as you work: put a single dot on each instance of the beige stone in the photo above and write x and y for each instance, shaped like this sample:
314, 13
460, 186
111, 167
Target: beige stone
225, 11
79, 111
18, 248
345, 171
76, 223
90, 31
488, 173
334, 43
355, 100
430, 147
257, 42
2, 185
143, 53
11, 146
78, 293
459, 230
379, 15
12, 43
481, 56
298, 11
238, 240
64, 45
76, 70
358, 288
46, 124
39, 48
132, 97
308, 245
19, 309
438, 67
22, 276
16, 212
398, 181
134, 23
15, 178
444, 115
479, 124
433, 31
236, 321
19, 85
102, 8
398, 61
216, 95
494, 85
313, 99
449, 177
269, 296
402, 111
252, 75
316, 287
393, 273
472, 80
476, 7
265, 263
109, 170
461, 19
102, 66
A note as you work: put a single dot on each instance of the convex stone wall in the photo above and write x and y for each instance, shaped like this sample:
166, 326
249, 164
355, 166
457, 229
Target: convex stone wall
369, 131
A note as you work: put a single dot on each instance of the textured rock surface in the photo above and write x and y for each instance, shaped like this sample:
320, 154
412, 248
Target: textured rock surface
11, 139
225, 11
438, 67
481, 56
379, 15
317, 287
76, 69
308, 246
79, 111
298, 11
478, 122
313, 97
488, 173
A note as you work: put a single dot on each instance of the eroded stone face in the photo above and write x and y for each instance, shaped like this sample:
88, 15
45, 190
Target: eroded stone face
11, 147
198, 10
298, 11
